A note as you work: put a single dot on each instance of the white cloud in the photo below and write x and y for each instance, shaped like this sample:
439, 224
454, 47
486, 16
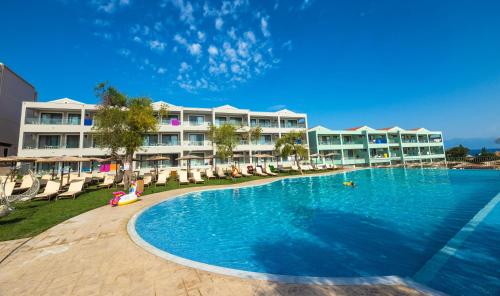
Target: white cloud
250, 36
264, 26
101, 23
104, 35
137, 39
161, 70
195, 49
212, 50
219, 23
185, 10
276, 107
157, 45
201, 36
124, 52
109, 6
179, 39
306, 4
235, 68
287, 45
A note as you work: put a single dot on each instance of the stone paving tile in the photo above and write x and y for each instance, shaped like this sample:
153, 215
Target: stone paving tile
92, 254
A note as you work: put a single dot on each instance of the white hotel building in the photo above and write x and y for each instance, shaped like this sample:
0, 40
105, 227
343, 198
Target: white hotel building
64, 127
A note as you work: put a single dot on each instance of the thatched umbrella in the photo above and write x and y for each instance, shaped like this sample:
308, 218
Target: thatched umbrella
331, 154
265, 156
315, 156
155, 159
62, 160
189, 157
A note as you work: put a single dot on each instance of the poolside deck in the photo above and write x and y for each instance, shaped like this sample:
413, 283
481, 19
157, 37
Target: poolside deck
92, 254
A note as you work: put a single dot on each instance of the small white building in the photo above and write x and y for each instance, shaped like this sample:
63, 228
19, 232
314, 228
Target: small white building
64, 127
13, 91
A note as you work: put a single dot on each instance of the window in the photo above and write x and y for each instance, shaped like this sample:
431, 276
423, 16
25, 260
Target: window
196, 139
46, 141
196, 119
220, 121
253, 122
168, 119
72, 141
170, 140
236, 121
265, 122
265, 140
74, 119
51, 118
151, 140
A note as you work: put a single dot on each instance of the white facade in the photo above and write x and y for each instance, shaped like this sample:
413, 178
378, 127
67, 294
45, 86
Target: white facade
365, 146
64, 127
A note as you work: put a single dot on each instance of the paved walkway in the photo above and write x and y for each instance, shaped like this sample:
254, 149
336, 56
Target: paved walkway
92, 254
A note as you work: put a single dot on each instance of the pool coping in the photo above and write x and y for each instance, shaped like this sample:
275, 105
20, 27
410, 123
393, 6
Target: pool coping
287, 279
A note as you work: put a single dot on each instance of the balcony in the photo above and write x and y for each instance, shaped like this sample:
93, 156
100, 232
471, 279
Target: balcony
49, 121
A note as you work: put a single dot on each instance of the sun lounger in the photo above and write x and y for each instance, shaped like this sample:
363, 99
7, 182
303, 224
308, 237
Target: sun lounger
9, 187
162, 179
209, 174
294, 168
220, 173
25, 184
258, 172
147, 180
244, 172
108, 182
197, 178
183, 179
74, 189
268, 171
51, 190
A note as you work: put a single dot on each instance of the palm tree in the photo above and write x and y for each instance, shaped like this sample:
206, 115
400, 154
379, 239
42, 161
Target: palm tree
291, 144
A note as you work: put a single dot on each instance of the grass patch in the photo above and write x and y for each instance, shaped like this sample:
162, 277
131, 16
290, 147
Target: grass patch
34, 217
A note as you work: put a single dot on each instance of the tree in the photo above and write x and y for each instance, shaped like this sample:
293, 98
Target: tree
291, 144
485, 153
122, 122
459, 151
254, 134
225, 139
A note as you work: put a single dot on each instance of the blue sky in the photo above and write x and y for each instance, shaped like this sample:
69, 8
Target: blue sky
346, 63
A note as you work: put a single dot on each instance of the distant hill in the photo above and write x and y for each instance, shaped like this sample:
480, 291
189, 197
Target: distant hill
472, 143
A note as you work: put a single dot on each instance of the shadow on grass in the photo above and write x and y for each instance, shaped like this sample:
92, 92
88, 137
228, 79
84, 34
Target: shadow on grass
11, 221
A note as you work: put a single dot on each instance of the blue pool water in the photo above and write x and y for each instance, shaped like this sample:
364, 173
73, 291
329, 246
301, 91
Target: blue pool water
392, 223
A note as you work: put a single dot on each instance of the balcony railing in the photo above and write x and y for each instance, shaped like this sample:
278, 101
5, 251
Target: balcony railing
346, 142
263, 142
293, 125
265, 125
331, 142
29, 147
199, 143
46, 121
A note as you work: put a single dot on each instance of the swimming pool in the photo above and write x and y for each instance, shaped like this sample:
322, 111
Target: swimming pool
392, 223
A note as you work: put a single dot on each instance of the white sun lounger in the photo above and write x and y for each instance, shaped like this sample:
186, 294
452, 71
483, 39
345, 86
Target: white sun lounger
51, 190
74, 189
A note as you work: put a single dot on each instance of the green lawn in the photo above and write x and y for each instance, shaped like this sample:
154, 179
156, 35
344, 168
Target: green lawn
31, 218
